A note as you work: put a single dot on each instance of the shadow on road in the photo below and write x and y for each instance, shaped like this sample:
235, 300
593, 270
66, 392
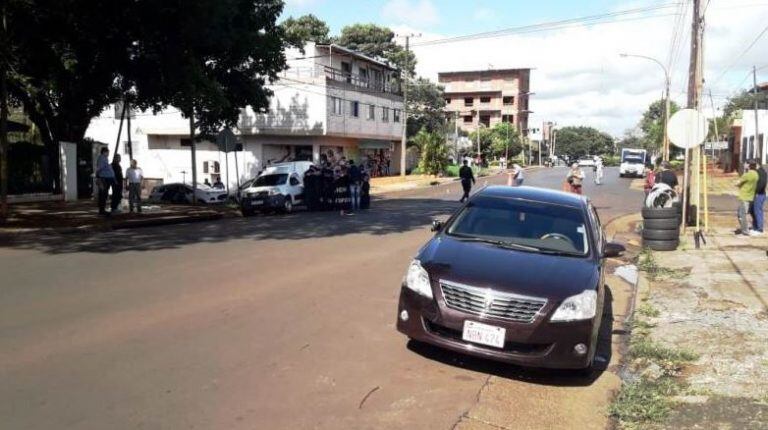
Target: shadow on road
386, 216
555, 377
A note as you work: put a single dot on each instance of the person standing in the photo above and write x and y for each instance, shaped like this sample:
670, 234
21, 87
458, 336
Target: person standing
575, 178
747, 185
518, 176
599, 172
218, 185
134, 177
117, 190
667, 176
365, 192
467, 179
355, 182
758, 216
105, 179
650, 178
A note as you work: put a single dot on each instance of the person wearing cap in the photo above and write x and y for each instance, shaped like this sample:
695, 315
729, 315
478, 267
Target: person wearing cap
747, 185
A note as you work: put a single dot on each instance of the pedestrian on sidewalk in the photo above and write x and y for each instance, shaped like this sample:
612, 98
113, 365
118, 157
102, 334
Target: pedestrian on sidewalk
467, 179
650, 178
117, 191
134, 176
747, 186
365, 192
758, 216
575, 178
105, 180
667, 176
355, 183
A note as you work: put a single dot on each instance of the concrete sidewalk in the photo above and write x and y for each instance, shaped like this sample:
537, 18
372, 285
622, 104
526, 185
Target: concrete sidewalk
83, 216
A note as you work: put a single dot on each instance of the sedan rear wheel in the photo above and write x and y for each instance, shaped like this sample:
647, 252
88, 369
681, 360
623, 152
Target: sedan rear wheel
288, 205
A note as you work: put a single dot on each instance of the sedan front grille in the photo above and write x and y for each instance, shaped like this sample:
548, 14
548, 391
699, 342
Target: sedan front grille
491, 303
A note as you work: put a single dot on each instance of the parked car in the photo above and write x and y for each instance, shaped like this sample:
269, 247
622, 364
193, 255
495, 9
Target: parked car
515, 275
586, 161
182, 193
279, 187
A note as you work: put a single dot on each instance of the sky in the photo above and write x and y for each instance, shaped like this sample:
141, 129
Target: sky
578, 76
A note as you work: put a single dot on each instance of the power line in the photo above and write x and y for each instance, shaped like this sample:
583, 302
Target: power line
553, 25
738, 57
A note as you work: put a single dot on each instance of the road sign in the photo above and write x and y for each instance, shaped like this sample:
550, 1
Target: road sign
226, 140
687, 128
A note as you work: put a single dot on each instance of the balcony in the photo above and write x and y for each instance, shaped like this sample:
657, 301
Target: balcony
321, 73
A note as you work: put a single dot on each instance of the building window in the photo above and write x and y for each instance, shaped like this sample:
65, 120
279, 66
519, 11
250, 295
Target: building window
467, 119
337, 106
371, 112
205, 167
485, 99
508, 118
485, 120
447, 101
469, 101
385, 114
508, 100
354, 109
396, 115
185, 141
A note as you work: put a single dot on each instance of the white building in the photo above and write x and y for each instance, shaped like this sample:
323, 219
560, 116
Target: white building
751, 142
331, 102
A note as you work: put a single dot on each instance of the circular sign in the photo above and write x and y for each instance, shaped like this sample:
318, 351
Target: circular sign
687, 128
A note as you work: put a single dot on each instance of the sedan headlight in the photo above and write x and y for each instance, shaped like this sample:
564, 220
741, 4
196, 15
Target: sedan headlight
417, 279
582, 306
274, 192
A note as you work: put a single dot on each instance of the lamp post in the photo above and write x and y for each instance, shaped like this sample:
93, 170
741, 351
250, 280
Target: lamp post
665, 144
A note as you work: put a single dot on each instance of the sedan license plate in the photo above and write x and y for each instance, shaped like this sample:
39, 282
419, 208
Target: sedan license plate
257, 202
484, 334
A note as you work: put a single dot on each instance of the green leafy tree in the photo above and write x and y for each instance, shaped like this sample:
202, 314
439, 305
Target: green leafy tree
426, 102
433, 150
377, 41
581, 141
745, 100
652, 124
506, 140
76, 57
307, 28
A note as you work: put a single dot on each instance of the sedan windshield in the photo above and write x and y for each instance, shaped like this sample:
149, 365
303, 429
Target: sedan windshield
271, 180
523, 225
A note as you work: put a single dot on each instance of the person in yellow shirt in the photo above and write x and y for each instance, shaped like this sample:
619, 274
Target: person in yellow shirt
747, 185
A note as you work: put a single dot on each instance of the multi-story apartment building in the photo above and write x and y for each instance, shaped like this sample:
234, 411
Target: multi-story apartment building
487, 97
330, 102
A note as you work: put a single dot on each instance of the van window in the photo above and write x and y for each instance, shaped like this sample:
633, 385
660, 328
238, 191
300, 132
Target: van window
294, 181
271, 180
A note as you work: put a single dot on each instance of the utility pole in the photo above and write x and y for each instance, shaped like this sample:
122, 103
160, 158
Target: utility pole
694, 96
406, 76
758, 142
128, 130
194, 157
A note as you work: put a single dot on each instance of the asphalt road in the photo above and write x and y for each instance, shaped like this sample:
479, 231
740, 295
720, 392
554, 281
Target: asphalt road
277, 322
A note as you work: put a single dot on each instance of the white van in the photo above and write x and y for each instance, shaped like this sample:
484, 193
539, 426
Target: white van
279, 187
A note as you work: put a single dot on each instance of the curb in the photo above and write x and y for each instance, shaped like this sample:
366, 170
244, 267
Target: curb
152, 222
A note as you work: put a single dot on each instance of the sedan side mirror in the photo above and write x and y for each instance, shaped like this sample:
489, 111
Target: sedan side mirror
613, 249
437, 225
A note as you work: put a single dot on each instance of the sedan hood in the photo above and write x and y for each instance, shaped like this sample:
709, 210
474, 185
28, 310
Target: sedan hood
487, 266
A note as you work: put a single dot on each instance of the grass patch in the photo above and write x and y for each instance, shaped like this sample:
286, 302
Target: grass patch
644, 348
648, 264
644, 401
647, 309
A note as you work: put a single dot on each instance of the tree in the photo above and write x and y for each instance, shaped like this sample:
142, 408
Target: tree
433, 150
580, 141
307, 28
426, 102
506, 140
376, 41
79, 56
745, 100
652, 124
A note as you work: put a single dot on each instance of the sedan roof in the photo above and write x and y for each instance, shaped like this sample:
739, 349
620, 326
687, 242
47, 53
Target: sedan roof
535, 194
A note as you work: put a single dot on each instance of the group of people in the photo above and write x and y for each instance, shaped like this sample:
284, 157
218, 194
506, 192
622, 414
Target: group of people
109, 177
665, 175
752, 185
343, 186
217, 184
377, 165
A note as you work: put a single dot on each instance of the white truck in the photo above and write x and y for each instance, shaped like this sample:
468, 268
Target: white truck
279, 187
632, 162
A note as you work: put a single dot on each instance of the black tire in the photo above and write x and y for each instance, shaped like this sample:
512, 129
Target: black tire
649, 234
621, 175
660, 213
661, 223
288, 205
661, 245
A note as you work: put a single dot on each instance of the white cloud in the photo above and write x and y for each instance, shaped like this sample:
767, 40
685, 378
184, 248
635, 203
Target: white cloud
578, 77
419, 13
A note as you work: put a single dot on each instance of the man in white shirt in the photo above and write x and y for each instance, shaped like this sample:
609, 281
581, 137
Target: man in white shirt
134, 176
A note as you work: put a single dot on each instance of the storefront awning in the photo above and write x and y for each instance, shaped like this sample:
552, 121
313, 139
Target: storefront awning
374, 144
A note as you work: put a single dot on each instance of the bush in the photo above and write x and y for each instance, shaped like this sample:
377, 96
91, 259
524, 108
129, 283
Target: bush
611, 160
434, 153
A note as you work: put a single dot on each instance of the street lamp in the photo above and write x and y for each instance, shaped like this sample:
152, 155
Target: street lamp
665, 145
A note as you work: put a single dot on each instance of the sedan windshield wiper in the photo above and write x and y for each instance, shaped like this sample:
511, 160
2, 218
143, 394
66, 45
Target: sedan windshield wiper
499, 243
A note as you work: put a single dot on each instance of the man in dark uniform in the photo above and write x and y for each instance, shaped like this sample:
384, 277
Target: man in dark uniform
467, 179
667, 176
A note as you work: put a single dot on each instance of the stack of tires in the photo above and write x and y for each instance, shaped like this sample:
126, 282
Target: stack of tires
661, 228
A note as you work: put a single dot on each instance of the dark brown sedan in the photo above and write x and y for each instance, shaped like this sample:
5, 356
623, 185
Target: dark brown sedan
515, 275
